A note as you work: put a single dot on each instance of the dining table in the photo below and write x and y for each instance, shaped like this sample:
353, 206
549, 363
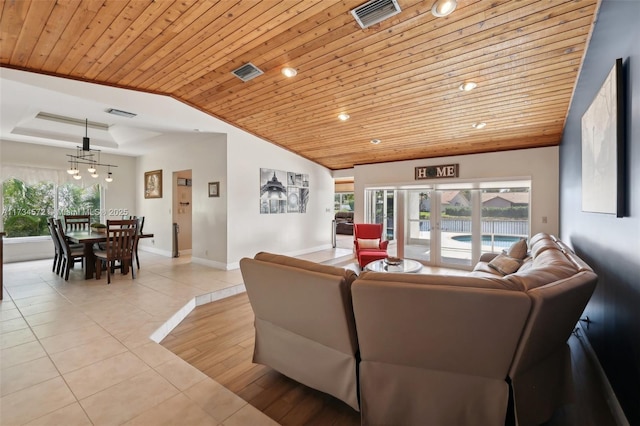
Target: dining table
88, 239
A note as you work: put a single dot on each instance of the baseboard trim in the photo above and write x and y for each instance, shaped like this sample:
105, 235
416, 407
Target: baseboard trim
612, 400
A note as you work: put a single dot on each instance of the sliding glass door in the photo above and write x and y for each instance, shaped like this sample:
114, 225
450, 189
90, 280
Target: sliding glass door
453, 227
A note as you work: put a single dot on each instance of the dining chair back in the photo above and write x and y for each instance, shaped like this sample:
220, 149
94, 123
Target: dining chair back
140, 220
59, 254
70, 255
119, 248
78, 222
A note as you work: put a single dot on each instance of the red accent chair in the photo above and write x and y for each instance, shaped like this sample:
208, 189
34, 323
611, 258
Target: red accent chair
365, 252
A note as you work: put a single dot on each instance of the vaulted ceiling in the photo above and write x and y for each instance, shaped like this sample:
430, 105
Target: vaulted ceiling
398, 79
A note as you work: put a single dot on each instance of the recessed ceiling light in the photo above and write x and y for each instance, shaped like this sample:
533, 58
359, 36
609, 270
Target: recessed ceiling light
343, 116
468, 85
289, 72
375, 141
481, 125
442, 8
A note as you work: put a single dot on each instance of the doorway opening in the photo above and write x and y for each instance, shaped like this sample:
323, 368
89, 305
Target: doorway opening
182, 212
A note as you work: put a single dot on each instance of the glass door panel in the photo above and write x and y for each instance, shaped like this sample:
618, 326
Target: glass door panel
505, 217
381, 208
382, 211
454, 225
417, 241
389, 215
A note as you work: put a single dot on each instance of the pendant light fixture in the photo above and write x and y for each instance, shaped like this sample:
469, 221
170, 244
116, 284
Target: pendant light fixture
87, 156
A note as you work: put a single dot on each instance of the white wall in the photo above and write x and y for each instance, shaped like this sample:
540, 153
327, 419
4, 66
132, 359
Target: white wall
205, 155
225, 228
119, 194
289, 233
540, 165
230, 227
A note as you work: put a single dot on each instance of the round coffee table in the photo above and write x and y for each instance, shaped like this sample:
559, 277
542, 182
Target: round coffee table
406, 266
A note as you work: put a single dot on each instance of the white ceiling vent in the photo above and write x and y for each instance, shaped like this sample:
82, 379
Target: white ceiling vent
375, 11
247, 72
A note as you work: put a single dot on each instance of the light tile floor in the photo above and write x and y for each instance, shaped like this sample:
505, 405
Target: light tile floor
83, 352
80, 351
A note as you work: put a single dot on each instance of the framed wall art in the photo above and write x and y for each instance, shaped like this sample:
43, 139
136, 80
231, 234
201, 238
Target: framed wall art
283, 192
603, 144
214, 189
153, 184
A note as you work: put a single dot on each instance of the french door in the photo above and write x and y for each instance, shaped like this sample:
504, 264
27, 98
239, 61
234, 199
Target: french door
448, 226
431, 235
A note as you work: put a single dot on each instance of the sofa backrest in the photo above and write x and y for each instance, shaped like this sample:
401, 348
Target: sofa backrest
492, 282
541, 373
556, 308
466, 330
306, 298
343, 217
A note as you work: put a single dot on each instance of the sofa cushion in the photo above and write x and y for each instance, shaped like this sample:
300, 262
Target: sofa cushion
364, 243
344, 217
547, 267
518, 250
505, 264
542, 245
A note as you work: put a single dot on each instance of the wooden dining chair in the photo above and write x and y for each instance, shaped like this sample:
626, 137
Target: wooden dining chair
119, 248
78, 222
140, 220
70, 255
59, 254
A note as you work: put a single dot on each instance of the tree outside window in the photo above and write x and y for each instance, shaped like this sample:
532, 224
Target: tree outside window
27, 207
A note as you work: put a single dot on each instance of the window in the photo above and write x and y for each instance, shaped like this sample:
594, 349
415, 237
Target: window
26, 207
505, 217
344, 202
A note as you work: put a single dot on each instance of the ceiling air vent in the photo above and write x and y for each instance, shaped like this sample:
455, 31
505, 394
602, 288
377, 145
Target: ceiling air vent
375, 11
247, 72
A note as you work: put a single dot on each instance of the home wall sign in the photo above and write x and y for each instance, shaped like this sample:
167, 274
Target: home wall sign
437, 172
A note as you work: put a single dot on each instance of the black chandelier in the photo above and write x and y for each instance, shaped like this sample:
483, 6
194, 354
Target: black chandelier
87, 156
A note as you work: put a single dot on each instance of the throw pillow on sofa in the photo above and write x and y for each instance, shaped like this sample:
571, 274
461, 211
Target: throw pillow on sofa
369, 244
518, 250
505, 264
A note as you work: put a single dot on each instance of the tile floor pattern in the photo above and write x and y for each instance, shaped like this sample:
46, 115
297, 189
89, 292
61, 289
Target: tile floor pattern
79, 352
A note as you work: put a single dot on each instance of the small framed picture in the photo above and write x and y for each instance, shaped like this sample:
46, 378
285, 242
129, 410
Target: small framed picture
153, 184
214, 189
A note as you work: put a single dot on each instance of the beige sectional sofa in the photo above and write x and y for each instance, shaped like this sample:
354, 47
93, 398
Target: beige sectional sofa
304, 322
421, 348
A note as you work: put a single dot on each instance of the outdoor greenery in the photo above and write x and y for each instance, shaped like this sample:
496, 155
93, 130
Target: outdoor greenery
26, 207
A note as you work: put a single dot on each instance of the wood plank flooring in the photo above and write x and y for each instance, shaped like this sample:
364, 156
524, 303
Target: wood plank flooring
217, 338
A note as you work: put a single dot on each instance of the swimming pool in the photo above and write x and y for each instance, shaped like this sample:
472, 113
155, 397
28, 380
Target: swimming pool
502, 241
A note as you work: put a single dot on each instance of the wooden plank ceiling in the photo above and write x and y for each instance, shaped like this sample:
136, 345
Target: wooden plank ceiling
398, 80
